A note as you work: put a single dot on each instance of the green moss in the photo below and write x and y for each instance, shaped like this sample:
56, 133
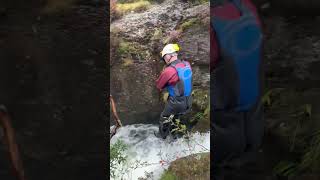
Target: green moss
197, 2
157, 35
201, 110
174, 35
311, 158
133, 51
188, 23
202, 122
167, 175
203, 1
124, 8
126, 48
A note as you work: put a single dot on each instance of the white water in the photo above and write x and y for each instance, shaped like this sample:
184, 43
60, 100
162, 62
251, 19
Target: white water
145, 147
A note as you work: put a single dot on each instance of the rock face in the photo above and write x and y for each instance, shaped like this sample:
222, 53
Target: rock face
137, 40
53, 78
299, 6
291, 65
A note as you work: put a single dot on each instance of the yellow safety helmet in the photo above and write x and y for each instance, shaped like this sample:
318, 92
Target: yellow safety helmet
169, 48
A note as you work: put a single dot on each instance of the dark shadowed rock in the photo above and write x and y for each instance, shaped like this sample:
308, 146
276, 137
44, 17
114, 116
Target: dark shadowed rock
53, 77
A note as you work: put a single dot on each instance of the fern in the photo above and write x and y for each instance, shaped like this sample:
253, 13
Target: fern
286, 168
311, 159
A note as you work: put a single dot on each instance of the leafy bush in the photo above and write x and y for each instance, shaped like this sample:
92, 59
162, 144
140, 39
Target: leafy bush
117, 156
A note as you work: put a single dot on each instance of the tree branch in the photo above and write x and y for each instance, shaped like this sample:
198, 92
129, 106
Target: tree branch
115, 116
10, 141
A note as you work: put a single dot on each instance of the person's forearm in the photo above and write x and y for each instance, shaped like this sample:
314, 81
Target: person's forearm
159, 84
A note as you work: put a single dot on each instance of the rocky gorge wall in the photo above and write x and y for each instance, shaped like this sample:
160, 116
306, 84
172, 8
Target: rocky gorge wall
136, 42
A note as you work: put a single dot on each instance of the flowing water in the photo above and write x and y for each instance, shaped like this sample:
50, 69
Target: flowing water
153, 155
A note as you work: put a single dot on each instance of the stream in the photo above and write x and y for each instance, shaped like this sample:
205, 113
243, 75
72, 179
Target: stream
153, 155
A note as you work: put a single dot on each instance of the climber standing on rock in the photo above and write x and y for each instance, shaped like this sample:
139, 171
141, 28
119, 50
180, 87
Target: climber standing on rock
177, 79
236, 84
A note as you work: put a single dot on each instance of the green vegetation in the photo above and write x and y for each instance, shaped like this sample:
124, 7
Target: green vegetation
188, 23
167, 175
198, 116
197, 2
311, 158
201, 110
129, 52
297, 127
178, 127
138, 6
200, 99
286, 168
117, 156
126, 48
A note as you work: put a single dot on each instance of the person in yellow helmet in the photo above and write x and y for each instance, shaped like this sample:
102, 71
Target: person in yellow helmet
177, 79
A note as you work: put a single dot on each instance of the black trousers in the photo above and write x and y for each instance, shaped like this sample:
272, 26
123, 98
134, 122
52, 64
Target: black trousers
176, 106
237, 137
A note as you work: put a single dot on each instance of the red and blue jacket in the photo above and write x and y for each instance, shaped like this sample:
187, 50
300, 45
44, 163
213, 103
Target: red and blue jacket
177, 78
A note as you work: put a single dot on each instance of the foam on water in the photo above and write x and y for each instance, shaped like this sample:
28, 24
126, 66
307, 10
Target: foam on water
145, 147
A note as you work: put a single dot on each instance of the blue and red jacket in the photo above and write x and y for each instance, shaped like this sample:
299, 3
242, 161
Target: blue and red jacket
236, 42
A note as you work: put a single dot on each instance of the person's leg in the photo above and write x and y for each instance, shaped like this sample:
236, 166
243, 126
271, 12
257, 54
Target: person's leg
164, 125
175, 106
254, 129
228, 138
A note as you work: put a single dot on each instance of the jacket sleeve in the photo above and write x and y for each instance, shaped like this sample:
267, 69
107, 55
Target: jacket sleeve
163, 79
160, 83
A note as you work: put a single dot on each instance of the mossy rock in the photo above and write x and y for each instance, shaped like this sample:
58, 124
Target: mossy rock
188, 23
200, 115
157, 34
133, 51
200, 99
202, 120
196, 166
126, 48
197, 2
167, 175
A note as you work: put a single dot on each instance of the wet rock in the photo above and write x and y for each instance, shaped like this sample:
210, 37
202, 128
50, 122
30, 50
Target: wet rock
133, 86
196, 166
